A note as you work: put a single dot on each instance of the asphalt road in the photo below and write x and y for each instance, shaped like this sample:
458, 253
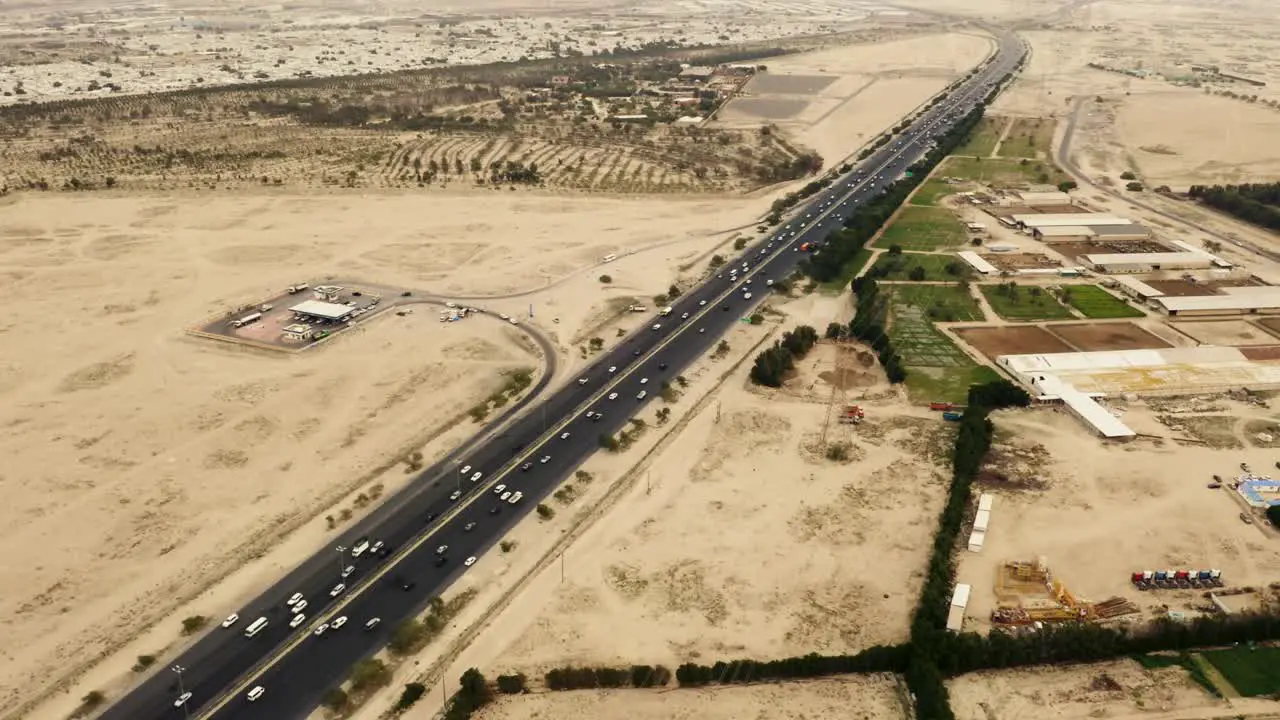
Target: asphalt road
295, 668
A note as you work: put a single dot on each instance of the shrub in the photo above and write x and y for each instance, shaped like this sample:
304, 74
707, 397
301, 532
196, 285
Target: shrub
410, 695
606, 279
194, 624
144, 662
507, 545
545, 512
512, 684
336, 699
369, 674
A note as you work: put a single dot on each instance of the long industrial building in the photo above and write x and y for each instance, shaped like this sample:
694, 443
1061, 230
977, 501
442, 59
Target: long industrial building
1265, 300
1088, 220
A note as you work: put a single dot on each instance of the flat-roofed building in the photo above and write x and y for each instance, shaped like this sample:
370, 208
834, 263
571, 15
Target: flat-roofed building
298, 332
1130, 231
1063, 233
977, 263
1149, 262
1208, 305
327, 311
1036, 199
1088, 220
1137, 288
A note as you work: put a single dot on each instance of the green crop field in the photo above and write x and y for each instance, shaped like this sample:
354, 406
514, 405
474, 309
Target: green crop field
1094, 302
1250, 670
1028, 138
1013, 302
936, 267
936, 368
931, 192
1003, 170
982, 141
924, 229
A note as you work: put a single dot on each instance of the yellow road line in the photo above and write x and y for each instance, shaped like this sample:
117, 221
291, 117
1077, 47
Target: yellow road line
546, 437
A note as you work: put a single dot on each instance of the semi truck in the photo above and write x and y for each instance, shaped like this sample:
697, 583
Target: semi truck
295, 289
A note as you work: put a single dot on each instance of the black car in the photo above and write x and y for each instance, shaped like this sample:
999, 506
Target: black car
384, 551
406, 585
724, 307
469, 527
495, 509
441, 560
637, 353
525, 467
429, 517
662, 366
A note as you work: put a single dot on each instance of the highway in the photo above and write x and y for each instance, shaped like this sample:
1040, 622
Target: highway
295, 667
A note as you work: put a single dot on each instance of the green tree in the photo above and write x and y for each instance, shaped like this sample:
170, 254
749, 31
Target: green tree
410, 695
336, 699
194, 624
606, 279
917, 273
369, 674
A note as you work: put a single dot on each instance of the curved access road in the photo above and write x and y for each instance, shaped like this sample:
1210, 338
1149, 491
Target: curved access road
532, 455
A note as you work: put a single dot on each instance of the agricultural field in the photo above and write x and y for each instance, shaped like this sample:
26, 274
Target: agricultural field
982, 141
922, 229
1028, 138
1096, 303
1003, 172
394, 131
931, 192
1013, 302
919, 267
1012, 340
936, 368
1089, 337
1251, 671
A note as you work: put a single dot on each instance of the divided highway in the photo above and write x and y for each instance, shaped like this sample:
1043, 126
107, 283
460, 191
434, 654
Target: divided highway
294, 667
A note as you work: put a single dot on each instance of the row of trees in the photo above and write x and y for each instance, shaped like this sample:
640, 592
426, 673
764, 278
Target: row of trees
1257, 203
773, 364
583, 678
869, 325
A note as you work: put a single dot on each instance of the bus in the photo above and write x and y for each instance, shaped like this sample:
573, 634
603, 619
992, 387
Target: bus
251, 317
256, 627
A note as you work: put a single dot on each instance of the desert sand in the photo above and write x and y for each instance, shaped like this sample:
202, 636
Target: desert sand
860, 698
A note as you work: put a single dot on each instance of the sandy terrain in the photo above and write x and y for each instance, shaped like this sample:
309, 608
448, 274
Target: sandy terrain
88, 449
855, 697
53, 52
1077, 692
836, 100
1097, 512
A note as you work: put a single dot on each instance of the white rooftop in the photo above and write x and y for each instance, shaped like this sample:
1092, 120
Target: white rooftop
1267, 301
1065, 230
1157, 258
1138, 286
977, 262
1085, 219
321, 309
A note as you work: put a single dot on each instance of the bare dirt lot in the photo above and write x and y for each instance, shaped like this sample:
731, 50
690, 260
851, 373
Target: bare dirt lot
835, 100
1107, 336
156, 445
1235, 333
1080, 692
1098, 512
1270, 323
1012, 340
854, 697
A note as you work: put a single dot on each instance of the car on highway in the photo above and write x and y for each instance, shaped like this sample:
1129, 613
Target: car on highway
406, 584
504, 496
516, 498
359, 547
470, 561
346, 571
662, 366
643, 394
702, 330
702, 303
684, 316
232, 619
377, 548
544, 459
525, 467
644, 381
476, 477
613, 368
469, 527
182, 699
498, 490
564, 436
495, 509
441, 560
302, 605
657, 326
453, 496
294, 600
582, 381
256, 693
466, 469
320, 629
442, 549
337, 590
338, 622
297, 620
613, 396
373, 623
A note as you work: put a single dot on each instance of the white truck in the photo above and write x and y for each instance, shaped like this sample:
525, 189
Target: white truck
294, 289
637, 308
665, 311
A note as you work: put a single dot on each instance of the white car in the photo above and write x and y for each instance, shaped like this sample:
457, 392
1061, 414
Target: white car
613, 368
516, 498
373, 623
182, 699
337, 590
643, 394
256, 693
613, 396
442, 549
702, 303
545, 459
338, 622
453, 496
564, 436
644, 381
505, 496
297, 597
297, 620
232, 619
321, 628
684, 316
582, 381
346, 571
513, 321
746, 296
498, 490
476, 477
469, 561
466, 469
657, 326
302, 605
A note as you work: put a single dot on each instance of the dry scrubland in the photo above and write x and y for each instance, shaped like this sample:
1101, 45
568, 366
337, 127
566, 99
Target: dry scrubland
855, 698
177, 459
1099, 512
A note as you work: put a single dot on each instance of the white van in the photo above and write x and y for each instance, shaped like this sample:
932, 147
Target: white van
256, 693
360, 548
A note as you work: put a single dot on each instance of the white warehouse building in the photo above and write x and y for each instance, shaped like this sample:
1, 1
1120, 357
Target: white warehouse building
1039, 220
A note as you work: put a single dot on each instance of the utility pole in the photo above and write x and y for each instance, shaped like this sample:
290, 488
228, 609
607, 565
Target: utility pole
648, 486
561, 567
341, 564
186, 712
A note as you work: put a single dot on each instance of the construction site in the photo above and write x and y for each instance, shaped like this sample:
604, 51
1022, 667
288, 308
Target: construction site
1028, 595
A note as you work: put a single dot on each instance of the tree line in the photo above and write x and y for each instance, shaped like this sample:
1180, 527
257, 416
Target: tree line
870, 325
1257, 203
773, 364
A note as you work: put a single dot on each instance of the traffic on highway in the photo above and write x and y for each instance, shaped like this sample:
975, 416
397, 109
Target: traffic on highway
277, 656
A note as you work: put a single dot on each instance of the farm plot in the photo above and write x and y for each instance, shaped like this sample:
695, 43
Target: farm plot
1251, 671
1087, 337
1234, 333
936, 368
982, 141
1012, 340
1003, 172
1013, 302
919, 267
932, 191
1028, 138
922, 229
1094, 302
